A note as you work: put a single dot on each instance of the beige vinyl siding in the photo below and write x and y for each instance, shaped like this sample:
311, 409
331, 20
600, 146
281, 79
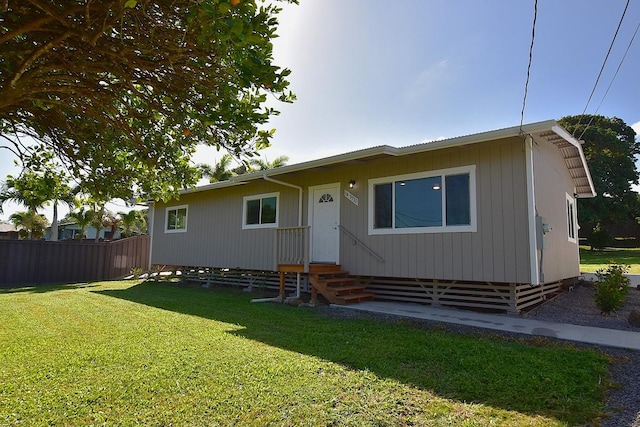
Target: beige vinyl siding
214, 237
497, 252
552, 184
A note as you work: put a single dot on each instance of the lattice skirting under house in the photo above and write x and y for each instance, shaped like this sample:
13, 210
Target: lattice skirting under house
509, 297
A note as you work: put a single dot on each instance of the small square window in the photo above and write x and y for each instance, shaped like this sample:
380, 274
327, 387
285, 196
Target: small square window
176, 219
260, 211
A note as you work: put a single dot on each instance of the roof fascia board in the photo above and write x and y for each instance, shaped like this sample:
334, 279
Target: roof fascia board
215, 185
479, 137
532, 128
573, 141
328, 161
244, 179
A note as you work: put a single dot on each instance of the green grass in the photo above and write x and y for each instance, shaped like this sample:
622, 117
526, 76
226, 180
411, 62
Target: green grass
590, 261
122, 353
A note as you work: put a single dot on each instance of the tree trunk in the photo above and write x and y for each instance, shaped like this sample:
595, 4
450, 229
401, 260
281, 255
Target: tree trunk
54, 222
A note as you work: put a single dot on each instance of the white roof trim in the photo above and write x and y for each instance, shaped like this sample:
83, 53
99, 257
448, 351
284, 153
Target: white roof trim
531, 129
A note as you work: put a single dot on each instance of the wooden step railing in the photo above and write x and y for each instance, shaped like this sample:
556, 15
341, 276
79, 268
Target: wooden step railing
292, 247
337, 286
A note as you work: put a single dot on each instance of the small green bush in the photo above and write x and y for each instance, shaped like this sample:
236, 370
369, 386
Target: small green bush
612, 287
599, 239
136, 272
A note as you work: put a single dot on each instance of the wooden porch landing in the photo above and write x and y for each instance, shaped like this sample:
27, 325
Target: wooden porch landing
331, 281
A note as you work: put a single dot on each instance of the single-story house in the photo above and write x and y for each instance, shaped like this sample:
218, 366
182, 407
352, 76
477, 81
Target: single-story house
487, 220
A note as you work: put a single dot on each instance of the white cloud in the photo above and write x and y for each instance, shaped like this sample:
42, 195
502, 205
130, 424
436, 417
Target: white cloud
430, 79
636, 127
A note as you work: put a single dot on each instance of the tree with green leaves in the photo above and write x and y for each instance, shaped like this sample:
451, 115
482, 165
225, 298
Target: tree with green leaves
253, 165
261, 165
123, 91
133, 222
30, 224
220, 171
41, 182
610, 148
82, 218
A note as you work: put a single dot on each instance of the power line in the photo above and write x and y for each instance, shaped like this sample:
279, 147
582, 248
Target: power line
526, 84
604, 63
612, 80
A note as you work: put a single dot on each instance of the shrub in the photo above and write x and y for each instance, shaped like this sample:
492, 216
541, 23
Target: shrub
599, 239
612, 287
136, 272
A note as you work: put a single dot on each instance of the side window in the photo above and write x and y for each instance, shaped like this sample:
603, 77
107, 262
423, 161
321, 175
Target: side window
572, 219
176, 219
260, 211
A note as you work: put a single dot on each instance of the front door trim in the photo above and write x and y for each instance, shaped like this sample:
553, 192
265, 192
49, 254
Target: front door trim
311, 203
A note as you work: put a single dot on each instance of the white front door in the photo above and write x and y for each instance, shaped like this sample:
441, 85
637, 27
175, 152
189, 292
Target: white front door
324, 210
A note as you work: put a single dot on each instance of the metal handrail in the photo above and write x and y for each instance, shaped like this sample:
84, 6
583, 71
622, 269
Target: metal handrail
361, 243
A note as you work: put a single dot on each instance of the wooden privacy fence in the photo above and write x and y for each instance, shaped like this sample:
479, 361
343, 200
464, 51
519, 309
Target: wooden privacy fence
29, 262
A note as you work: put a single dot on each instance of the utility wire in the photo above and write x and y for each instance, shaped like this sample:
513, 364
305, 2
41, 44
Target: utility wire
614, 77
526, 84
604, 63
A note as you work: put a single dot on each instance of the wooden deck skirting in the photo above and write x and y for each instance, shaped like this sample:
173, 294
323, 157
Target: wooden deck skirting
253, 279
509, 297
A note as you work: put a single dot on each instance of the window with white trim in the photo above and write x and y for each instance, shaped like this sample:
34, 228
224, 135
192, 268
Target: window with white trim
260, 211
427, 202
572, 219
176, 219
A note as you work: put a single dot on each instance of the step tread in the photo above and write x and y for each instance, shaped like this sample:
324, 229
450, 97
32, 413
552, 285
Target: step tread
345, 299
332, 273
339, 291
337, 280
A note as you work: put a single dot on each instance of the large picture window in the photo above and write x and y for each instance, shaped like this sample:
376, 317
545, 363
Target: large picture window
429, 202
176, 219
260, 211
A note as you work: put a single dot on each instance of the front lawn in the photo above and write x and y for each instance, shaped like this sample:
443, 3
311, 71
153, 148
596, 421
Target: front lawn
590, 261
123, 353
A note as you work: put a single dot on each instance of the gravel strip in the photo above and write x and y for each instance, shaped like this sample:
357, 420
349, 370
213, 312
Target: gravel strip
576, 307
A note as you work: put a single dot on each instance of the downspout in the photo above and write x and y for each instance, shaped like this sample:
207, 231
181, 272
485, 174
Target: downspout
286, 184
531, 210
300, 191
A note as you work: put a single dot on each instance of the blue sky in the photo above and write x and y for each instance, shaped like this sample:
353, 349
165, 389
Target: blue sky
372, 72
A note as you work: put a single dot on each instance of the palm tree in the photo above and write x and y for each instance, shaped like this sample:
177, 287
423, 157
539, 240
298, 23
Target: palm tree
98, 218
133, 222
30, 223
59, 192
82, 218
219, 172
34, 189
17, 190
261, 165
